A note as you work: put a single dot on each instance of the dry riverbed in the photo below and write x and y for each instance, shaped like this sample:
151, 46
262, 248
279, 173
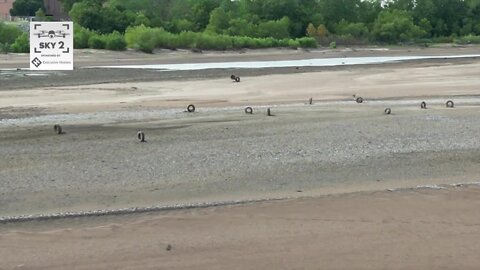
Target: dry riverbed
220, 154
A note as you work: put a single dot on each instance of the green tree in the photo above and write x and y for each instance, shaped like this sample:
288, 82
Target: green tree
401, 4
21, 44
394, 26
181, 25
426, 26
242, 27
201, 10
8, 33
357, 30
322, 31
311, 30
278, 29
336, 10
40, 14
219, 21
68, 4
92, 15
26, 7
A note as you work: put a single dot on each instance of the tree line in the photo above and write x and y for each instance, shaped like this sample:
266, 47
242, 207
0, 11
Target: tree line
273, 22
375, 20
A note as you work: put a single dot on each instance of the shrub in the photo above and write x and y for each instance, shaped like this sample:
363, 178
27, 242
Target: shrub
283, 42
214, 42
4, 48
115, 42
163, 39
333, 45
96, 41
187, 40
141, 38
357, 30
81, 37
470, 39
307, 42
442, 40
293, 44
21, 44
244, 42
147, 39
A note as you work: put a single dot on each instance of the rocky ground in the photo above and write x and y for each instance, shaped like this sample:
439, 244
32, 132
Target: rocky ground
221, 154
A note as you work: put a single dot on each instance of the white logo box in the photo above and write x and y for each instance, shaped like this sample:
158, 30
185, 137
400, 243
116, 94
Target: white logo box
51, 46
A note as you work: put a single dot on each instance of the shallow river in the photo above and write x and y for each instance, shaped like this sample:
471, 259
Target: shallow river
321, 62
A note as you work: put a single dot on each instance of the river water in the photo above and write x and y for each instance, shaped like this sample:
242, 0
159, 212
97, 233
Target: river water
321, 62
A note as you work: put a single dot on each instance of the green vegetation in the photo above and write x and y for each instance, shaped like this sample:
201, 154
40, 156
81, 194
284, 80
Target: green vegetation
225, 24
146, 39
21, 44
26, 7
12, 39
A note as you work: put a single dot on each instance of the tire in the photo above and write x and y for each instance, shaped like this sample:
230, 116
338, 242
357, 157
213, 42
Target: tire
269, 113
141, 136
423, 105
450, 104
359, 100
388, 111
191, 108
248, 110
310, 101
57, 129
233, 77
237, 79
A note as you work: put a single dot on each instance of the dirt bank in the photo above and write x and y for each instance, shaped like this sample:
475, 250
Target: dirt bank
413, 229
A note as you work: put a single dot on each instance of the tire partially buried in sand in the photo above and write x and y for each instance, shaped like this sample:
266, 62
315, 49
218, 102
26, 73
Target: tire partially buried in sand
388, 111
57, 129
359, 100
191, 108
450, 104
249, 110
423, 105
141, 136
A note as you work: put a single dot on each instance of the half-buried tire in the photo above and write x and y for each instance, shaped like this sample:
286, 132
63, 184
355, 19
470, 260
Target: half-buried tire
388, 111
423, 105
249, 110
450, 104
237, 79
141, 136
359, 100
191, 108
57, 129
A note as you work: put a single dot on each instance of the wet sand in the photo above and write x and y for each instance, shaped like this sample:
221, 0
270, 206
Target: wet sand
220, 154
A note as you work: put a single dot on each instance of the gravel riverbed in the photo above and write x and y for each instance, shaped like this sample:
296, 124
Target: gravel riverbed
211, 156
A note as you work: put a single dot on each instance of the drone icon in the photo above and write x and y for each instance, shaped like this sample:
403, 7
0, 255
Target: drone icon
51, 34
